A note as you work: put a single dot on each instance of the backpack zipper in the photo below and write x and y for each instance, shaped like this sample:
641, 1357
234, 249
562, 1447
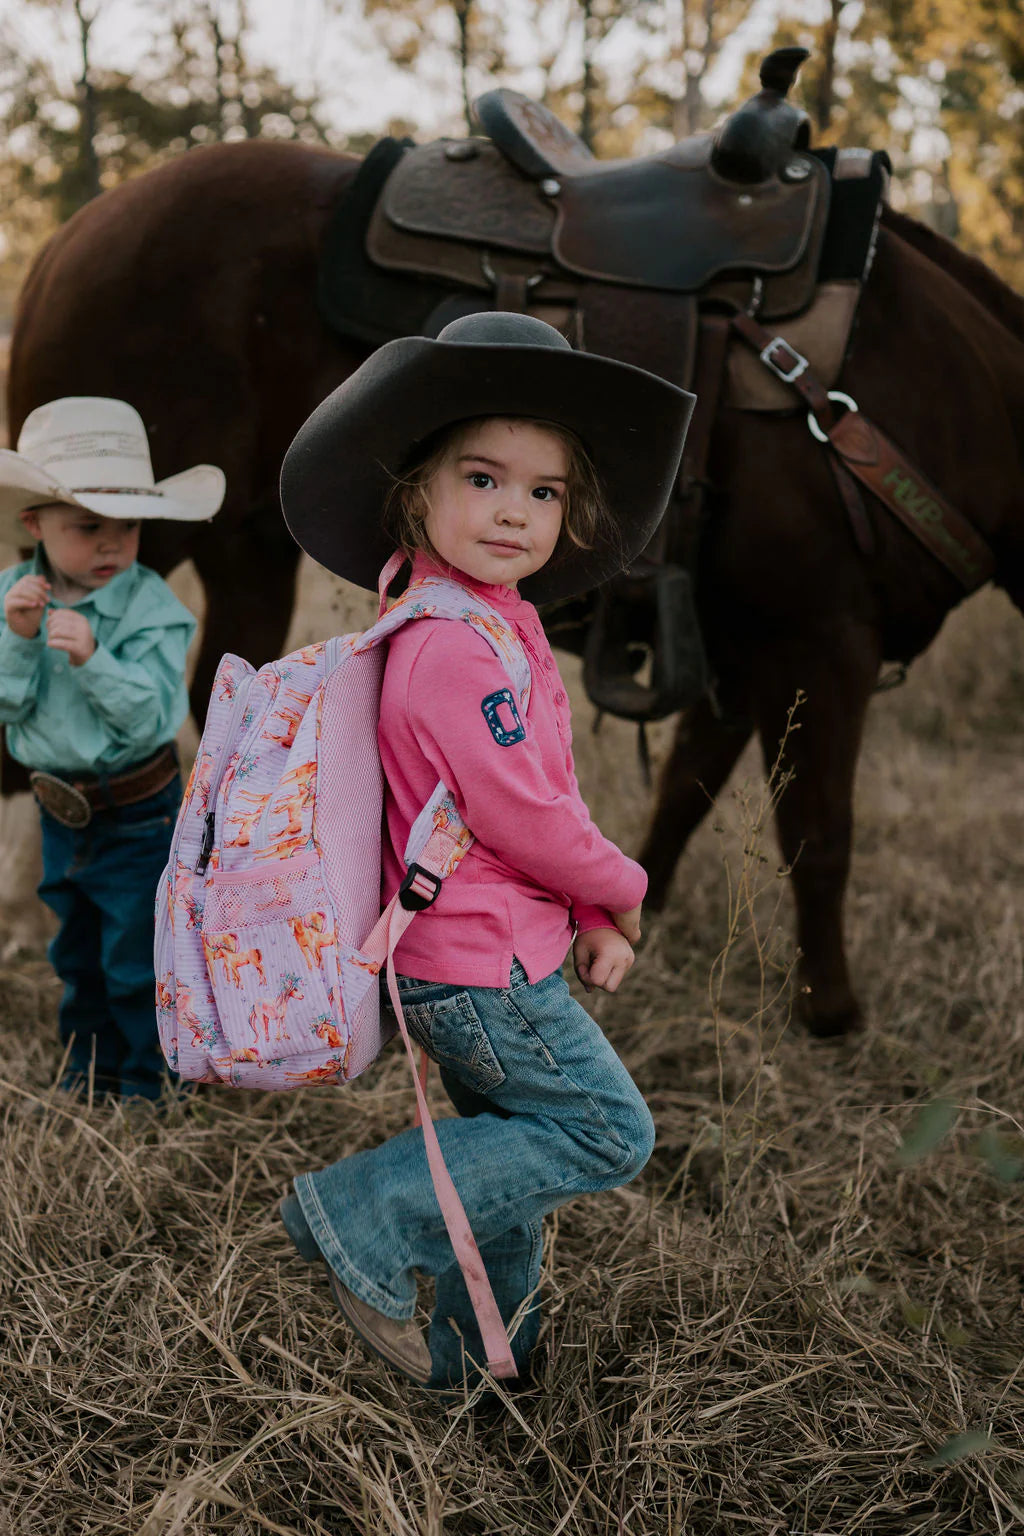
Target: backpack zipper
210, 820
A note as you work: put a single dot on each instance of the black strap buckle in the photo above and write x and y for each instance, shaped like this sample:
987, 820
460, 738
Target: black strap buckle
206, 850
410, 898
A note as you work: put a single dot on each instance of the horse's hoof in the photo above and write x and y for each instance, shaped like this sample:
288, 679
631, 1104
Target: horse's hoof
832, 1023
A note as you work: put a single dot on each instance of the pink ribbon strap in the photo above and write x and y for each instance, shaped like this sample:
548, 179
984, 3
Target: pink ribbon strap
385, 937
387, 576
499, 1360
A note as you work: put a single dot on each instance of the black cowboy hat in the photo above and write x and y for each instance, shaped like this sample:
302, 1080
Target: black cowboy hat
339, 469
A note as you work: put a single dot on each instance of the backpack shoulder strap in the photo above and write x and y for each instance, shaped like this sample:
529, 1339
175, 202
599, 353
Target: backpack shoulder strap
434, 597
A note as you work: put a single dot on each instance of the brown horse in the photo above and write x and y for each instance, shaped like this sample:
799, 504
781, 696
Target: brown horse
191, 292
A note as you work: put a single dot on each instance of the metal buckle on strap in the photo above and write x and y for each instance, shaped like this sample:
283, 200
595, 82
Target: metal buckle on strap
494, 277
61, 800
799, 363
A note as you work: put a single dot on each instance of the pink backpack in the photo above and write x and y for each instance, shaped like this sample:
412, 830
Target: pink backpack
269, 933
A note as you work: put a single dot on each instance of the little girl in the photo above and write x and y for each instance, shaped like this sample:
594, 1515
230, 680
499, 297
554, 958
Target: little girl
502, 460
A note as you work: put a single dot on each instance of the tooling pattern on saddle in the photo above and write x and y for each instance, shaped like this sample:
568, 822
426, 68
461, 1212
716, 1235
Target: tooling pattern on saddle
664, 222
477, 197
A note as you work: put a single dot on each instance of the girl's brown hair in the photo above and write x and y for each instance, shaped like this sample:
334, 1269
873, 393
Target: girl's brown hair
586, 519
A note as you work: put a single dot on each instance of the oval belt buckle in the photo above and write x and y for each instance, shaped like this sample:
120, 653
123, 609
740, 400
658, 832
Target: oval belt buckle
62, 800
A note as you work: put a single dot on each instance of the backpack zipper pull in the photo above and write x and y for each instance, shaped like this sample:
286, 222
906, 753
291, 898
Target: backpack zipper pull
207, 845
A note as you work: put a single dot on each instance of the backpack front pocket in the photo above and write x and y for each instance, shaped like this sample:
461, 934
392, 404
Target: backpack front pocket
271, 953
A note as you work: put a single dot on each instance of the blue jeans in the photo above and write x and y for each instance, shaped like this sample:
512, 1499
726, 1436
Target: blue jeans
101, 882
547, 1111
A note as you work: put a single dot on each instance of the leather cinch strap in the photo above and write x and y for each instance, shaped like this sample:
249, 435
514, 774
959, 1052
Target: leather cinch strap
874, 459
862, 449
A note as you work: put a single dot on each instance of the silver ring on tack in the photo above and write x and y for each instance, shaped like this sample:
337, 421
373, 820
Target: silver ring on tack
812, 421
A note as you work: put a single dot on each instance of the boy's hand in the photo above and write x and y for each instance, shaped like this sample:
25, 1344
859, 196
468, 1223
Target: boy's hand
71, 632
24, 604
628, 923
602, 956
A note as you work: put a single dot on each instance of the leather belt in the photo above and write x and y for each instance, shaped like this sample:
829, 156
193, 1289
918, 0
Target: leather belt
73, 800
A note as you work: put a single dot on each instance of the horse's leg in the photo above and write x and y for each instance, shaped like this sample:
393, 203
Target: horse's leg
249, 581
815, 812
703, 755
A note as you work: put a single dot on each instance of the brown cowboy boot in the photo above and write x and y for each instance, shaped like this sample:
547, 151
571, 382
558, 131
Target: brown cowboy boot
400, 1344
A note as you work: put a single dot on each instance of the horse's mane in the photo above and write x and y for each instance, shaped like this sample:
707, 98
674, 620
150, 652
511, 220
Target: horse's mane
997, 297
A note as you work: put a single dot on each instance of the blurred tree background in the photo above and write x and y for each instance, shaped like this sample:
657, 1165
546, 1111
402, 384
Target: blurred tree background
938, 83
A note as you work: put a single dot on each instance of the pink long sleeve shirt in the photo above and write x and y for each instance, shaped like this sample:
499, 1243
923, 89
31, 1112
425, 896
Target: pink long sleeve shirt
539, 868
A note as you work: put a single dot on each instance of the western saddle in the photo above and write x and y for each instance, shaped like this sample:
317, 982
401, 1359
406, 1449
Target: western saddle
641, 260
668, 222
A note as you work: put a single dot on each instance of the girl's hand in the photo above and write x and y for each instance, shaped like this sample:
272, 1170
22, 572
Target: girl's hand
24, 604
602, 957
71, 632
628, 924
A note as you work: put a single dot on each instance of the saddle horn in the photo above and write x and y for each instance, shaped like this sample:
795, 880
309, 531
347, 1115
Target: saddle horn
758, 139
780, 69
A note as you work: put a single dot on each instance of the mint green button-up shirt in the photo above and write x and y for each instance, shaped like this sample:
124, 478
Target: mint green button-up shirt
118, 707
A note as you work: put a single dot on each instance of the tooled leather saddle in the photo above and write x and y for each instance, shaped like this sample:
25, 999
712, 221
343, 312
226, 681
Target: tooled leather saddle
641, 260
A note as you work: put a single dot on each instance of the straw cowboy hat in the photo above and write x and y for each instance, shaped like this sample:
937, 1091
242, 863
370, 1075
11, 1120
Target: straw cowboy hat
91, 452
344, 460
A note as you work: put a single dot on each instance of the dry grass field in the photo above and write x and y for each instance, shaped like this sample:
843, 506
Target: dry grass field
805, 1317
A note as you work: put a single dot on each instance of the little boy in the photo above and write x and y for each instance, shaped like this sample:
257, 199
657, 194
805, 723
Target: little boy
92, 692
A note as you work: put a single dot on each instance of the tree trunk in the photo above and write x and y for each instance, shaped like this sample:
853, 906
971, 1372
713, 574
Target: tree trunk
250, 113
87, 158
826, 80
688, 112
692, 103
587, 82
218, 69
462, 10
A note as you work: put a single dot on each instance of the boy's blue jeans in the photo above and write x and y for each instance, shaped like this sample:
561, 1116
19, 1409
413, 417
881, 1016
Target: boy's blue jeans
101, 882
547, 1111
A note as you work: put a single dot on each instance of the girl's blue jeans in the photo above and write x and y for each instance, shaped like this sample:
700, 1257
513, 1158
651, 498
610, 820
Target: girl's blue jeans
101, 882
546, 1111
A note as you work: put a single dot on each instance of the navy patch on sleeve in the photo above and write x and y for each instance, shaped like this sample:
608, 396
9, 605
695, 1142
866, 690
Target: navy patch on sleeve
503, 718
